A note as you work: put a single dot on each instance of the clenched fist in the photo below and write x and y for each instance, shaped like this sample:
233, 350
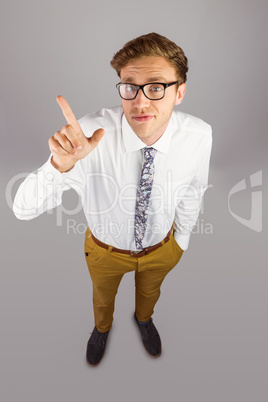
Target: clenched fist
70, 144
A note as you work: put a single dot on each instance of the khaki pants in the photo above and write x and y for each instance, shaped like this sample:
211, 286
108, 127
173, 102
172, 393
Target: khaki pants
107, 268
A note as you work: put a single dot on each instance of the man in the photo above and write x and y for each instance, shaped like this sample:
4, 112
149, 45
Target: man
141, 183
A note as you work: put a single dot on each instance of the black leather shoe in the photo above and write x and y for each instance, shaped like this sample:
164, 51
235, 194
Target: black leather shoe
96, 346
150, 337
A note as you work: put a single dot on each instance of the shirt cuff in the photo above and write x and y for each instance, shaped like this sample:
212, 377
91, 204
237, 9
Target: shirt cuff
58, 176
48, 168
182, 240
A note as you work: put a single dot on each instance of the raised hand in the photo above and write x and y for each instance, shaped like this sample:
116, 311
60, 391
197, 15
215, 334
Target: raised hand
70, 143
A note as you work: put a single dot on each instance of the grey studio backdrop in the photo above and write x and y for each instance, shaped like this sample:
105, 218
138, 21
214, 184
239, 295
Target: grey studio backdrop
212, 314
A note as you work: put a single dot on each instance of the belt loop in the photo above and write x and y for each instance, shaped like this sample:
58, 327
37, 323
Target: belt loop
163, 242
110, 249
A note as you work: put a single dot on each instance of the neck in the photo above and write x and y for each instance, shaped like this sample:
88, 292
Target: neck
154, 137
149, 142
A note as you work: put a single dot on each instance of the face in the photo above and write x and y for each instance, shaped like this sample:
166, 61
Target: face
149, 118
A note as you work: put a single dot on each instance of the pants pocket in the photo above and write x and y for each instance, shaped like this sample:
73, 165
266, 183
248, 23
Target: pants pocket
178, 251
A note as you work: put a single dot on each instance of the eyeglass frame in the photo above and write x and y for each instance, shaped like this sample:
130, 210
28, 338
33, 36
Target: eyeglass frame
138, 87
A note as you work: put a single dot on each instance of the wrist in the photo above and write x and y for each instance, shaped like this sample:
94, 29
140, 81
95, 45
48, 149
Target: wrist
61, 169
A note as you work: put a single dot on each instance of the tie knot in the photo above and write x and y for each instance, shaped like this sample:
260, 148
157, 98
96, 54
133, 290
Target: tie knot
149, 153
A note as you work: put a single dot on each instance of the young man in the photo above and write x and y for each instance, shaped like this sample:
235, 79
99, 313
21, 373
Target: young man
141, 182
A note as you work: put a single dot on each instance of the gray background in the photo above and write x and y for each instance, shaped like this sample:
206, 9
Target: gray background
212, 315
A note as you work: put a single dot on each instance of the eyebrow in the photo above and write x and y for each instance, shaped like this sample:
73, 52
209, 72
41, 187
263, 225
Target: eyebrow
151, 79
157, 79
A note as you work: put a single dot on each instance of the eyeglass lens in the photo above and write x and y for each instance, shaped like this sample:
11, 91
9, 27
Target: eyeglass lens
152, 91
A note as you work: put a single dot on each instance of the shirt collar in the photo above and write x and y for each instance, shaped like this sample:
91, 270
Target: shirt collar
133, 143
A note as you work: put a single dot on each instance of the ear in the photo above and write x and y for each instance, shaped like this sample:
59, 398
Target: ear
180, 93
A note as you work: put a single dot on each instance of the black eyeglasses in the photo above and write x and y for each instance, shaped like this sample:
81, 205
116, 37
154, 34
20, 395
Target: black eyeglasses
152, 91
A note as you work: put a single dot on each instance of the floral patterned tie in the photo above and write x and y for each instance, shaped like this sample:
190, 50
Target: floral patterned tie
143, 195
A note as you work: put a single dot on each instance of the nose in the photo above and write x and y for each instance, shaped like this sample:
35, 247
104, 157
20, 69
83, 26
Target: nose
141, 101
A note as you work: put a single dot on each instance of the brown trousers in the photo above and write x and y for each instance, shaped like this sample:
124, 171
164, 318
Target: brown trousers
107, 268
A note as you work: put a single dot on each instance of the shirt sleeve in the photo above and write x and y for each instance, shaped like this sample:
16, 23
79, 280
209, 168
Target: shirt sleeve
42, 190
189, 205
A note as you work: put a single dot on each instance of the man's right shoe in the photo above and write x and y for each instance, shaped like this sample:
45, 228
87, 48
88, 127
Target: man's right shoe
96, 346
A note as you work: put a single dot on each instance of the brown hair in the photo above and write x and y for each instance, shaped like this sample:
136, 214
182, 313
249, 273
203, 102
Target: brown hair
152, 44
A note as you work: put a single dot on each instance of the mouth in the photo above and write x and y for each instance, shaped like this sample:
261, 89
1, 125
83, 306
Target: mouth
143, 117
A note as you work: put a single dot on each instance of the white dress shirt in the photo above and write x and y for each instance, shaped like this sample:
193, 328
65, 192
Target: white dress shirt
107, 180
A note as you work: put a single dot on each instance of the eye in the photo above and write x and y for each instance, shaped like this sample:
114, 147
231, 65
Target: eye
156, 88
130, 88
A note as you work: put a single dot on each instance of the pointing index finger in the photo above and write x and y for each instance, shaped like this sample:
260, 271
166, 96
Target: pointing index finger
68, 113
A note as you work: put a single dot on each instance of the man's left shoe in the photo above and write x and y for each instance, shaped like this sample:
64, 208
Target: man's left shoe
150, 337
